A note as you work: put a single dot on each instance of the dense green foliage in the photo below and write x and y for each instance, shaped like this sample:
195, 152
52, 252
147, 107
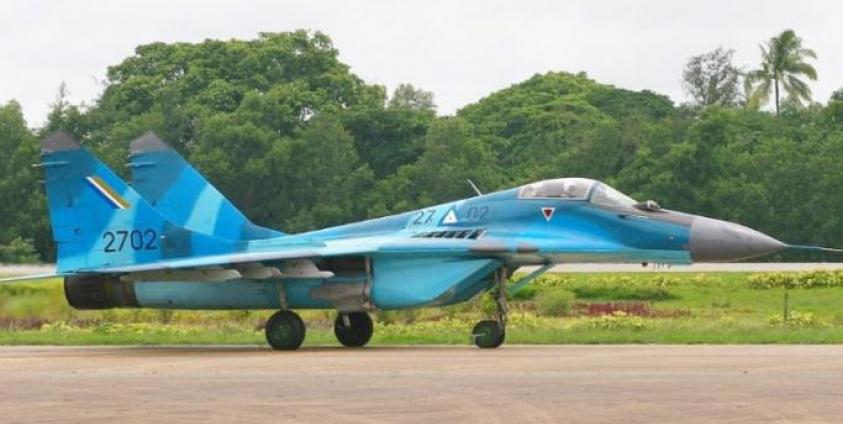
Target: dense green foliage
702, 308
297, 141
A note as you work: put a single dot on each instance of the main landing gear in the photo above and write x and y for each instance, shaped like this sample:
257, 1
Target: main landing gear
492, 333
353, 329
285, 330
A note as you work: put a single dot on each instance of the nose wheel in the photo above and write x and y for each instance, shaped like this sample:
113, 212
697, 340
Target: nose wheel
492, 333
285, 330
488, 334
353, 329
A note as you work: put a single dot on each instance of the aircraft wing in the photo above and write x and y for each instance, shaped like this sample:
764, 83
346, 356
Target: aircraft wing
400, 245
278, 253
231, 259
342, 247
208, 261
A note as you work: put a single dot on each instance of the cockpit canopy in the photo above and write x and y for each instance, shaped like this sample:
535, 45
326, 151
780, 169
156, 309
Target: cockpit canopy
575, 189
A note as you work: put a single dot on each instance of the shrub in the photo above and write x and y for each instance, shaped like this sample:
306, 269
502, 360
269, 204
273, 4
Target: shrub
526, 293
794, 280
799, 319
705, 280
610, 308
547, 281
554, 302
488, 306
18, 251
619, 292
617, 321
165, 316
403, 316
665, 281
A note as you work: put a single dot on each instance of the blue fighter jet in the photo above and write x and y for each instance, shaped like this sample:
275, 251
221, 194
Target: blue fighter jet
172, 241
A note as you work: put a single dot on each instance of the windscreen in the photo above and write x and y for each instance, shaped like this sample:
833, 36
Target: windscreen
605, 195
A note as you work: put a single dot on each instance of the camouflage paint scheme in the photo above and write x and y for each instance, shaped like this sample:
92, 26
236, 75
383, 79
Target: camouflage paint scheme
173, 222
182, 196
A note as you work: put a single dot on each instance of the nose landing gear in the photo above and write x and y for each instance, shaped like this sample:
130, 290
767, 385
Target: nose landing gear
492, 333
488, 334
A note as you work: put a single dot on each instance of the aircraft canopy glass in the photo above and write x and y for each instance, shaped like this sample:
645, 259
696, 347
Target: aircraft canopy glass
605, 195
575, 189
560, 188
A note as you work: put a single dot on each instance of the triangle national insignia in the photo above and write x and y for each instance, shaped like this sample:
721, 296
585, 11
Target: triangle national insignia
547, 212
450, 218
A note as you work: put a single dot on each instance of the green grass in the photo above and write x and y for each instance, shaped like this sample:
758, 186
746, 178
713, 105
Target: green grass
684, 308
622, 293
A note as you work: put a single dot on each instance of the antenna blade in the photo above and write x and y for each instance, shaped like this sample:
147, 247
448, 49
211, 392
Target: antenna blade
474, 186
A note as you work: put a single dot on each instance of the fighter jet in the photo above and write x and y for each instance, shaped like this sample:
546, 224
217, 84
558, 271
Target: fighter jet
181, 245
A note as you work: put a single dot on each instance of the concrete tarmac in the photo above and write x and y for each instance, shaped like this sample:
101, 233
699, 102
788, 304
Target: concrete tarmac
512, 384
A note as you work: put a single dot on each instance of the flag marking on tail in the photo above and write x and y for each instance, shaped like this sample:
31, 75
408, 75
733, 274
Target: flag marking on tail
107, 193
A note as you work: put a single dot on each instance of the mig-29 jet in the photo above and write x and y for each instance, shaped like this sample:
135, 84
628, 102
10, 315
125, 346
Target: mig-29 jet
174, 242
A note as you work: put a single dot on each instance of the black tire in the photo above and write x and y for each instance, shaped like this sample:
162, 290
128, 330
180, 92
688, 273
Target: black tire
358, 333
285, 330
488, 334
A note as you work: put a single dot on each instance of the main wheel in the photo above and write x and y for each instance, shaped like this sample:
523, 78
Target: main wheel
285, 330
488, 334
358, 331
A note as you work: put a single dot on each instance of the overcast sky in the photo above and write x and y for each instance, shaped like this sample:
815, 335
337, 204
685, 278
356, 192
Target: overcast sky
460, 50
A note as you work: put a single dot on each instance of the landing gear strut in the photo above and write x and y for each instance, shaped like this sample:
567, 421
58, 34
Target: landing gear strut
353, 329
285, 330
492, 333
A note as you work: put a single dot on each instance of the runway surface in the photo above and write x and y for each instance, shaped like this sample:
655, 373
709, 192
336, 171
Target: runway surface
513, 384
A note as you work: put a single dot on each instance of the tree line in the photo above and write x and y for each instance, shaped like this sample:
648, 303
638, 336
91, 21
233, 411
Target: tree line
299, 142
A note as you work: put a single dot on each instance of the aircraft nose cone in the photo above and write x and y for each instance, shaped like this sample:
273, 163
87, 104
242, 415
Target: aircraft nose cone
720, 241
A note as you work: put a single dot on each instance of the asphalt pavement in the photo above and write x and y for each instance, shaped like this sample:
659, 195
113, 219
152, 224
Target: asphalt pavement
513, 384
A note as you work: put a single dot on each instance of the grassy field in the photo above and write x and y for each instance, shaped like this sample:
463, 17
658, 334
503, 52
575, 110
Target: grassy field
559, 308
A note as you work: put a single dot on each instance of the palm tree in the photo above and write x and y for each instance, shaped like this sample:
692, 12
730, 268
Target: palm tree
782, 68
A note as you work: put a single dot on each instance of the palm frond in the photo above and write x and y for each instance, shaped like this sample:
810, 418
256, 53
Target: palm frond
757, 75
802, 68
797, 88
807, 53
759, 95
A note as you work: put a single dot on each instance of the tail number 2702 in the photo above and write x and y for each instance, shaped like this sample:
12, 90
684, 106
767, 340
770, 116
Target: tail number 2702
120, 240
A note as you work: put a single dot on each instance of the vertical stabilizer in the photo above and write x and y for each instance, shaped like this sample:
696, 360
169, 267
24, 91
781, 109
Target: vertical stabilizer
99, 221
181, 194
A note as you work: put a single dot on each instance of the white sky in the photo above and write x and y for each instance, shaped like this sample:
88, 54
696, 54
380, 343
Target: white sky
461, 51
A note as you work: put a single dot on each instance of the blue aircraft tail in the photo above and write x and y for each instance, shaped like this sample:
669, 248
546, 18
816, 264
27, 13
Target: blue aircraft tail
182, 195
98, 221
